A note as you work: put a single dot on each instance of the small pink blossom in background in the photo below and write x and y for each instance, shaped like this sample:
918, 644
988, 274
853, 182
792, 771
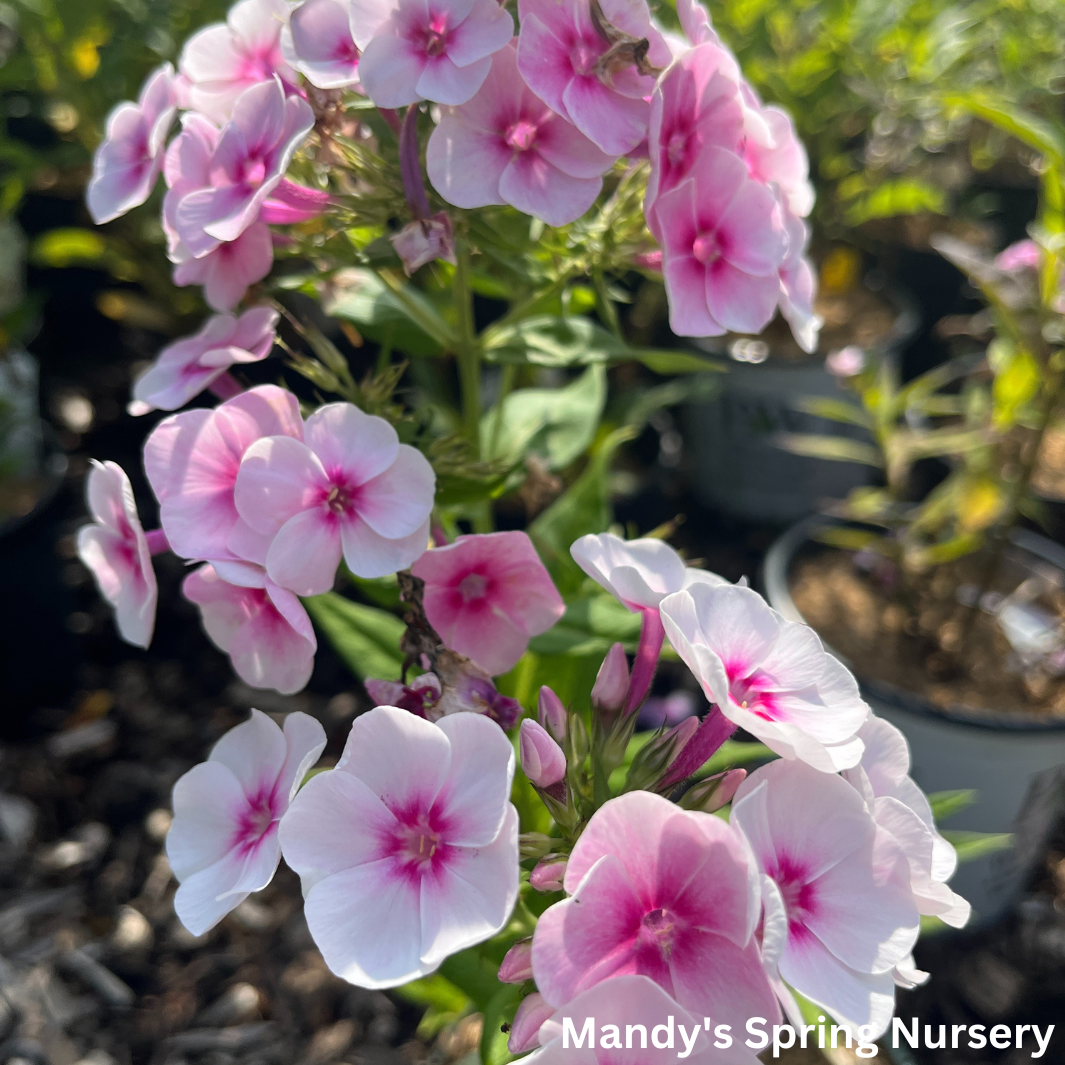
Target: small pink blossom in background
349, 488
506, 146
783, 163
486, 595
115, 550
436, 50
532, 1011
192, 460
1023, 255
624, 1001
228, 271
723, 242
839, 913
695, 104
248, 163
900, 807
419, 697
317, 41
547, 875
798, 287
467, 688
182, 370
408, 850
664, 893
223, 59
559, 48
542, 760
845, 362
424, 240
222, 844
127, 162
516, 966
769, 676
263, 628
638, 573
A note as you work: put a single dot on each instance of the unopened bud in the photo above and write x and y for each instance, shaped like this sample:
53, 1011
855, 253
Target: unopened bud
516, 966
534, 844
548, 874
714, 792
682, 733
542, 759
552, 714
524, 1032
611, 686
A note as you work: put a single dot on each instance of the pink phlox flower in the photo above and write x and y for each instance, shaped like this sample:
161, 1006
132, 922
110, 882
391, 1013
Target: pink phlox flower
223, 59
192, 460
465, 687
695, 103
486, 595
622, 1011
248, 163
408, 850
425, 240
664, 893
436, 50
115, 550
839, 915
420, 696
222, 844
263, 628
318, 42
1022, 255
769, 676
570, 65
227, 272
695, 22
638, 573
783, 162
127, 162
185, 368
723, 241
798, 286
900, 807
507, 146
846, 362
186, 168
349, 488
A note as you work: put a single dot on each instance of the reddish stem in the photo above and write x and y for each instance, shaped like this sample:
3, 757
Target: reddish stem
646, 662
410, 166
157, 541
713, 731
225, 386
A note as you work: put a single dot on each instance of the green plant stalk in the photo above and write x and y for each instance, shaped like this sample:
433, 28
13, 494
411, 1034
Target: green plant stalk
506, 386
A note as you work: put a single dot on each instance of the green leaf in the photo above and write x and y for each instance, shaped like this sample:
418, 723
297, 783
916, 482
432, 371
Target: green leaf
947, 803
367, 639
360, 296
68, 247
589, 627
1017, 380
474, 975
902, 196
973, 845
1045, 137
555, 423
836, 448
835, 410
674, 362
435, 990
500, 1010
549, 340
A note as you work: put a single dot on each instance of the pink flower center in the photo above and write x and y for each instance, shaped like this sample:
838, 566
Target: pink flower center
340, 499
473, 586
253, 172
677, 148
798, 893
583, 57
751, 690
707, 248
658, 928
346, 52
255, 822
259, 66
418, 843
521, 135
436, 35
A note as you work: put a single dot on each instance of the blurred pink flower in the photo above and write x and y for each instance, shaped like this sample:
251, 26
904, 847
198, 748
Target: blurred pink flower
769, 676
664, 893
350, 488
222, 844
436, 50
223, 59
408, 850
317, 41
226, 272
783, 162
507, 146
798, 286
263, 628
839, 915
423, 240
845, 362
247, 164
486, 595
192, 461
127, 162
900, 807
564, 60
182, 370
419, 697
1023, 255
723, 242
115, 550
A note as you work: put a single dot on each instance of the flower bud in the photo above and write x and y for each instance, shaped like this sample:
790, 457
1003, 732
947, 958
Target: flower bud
542, 759
552, 714
516, 966
612, 682
524, 1032
713, 792
682, 733
547, 875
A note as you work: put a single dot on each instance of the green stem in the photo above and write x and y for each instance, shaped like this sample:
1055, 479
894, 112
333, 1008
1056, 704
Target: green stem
607, 311
506, 385
467, 351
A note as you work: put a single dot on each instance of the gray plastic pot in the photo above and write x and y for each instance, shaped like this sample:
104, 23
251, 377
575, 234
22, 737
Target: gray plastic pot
1015, 761
736, 465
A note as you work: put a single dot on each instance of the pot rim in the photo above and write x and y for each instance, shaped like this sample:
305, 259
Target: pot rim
775, 569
